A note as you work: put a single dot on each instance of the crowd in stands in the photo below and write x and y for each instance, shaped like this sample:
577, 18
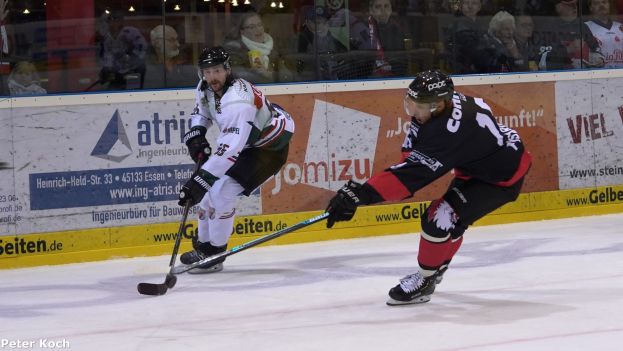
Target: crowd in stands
310, 42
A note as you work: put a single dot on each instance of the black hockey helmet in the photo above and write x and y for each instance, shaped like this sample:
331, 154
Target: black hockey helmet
213, 56
431, 86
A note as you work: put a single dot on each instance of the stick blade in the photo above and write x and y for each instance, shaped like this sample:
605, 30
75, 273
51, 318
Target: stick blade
170, 280
152, 289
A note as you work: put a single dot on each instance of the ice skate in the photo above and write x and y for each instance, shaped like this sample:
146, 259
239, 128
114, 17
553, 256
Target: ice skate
413, 289
200, 252
440, 272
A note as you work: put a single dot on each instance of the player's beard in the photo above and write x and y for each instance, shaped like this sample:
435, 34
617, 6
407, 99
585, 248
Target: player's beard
216, 85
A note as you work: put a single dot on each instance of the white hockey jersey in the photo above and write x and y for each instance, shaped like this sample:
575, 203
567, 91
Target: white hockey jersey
610, 41
245, 119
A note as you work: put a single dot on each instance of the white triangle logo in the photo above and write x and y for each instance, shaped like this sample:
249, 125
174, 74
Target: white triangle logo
341, 146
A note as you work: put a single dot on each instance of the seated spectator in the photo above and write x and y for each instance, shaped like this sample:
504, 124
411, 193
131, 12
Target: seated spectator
538, 55
344, 18
582, 47
609, 33
498, 51
253, 54
465, 35
122, 53
165, 66
316, 40
24, 80
385, 37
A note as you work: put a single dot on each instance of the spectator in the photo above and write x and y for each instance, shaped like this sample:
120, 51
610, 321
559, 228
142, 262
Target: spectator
465, 35
538, 55
582, 48
356, 28
24, 80
524, 33
385, 37
498, 51
5, 67
609, 33
317, 41
165, 66
253, 54
122, 53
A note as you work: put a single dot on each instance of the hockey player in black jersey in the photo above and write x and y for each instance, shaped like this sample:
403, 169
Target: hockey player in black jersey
449, 132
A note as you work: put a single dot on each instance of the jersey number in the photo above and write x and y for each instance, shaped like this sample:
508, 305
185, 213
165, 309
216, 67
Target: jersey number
221, 149
487, 122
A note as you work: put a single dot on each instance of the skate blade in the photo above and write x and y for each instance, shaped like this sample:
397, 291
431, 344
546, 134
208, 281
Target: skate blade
214, 269
422, 299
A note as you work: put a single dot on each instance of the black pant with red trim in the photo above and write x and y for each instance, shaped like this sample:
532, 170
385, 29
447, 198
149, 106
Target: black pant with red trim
447, 218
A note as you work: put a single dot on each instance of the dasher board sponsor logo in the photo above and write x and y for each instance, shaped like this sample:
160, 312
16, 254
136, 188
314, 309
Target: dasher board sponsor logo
20, 246
341, 146
590, 147
113, 144
145, 132
588, 128
98, 187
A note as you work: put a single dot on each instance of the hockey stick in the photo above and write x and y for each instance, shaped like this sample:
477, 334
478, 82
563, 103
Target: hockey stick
170, 279
186, 267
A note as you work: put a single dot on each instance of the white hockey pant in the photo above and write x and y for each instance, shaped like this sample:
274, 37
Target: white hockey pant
217, 210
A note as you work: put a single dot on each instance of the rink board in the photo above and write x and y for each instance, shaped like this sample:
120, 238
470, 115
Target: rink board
117, 159
157, 239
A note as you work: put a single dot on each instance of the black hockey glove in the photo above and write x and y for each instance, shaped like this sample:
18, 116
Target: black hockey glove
343, 205
198, 147
196, 187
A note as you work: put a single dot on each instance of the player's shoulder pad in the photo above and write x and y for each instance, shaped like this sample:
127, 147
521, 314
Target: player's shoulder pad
242, 90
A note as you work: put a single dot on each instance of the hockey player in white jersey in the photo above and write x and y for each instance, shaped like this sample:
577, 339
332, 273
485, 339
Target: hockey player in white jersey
251, 147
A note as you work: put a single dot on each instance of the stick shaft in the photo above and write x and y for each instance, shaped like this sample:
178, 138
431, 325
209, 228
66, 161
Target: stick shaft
250, 244
178, 238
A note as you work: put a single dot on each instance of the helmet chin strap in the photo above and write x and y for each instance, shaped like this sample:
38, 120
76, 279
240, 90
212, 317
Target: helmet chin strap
433, 106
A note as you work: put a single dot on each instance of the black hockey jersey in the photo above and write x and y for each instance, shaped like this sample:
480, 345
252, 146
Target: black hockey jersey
465, 137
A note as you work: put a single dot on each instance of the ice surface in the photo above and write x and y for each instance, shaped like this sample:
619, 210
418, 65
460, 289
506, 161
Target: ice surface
548, 285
